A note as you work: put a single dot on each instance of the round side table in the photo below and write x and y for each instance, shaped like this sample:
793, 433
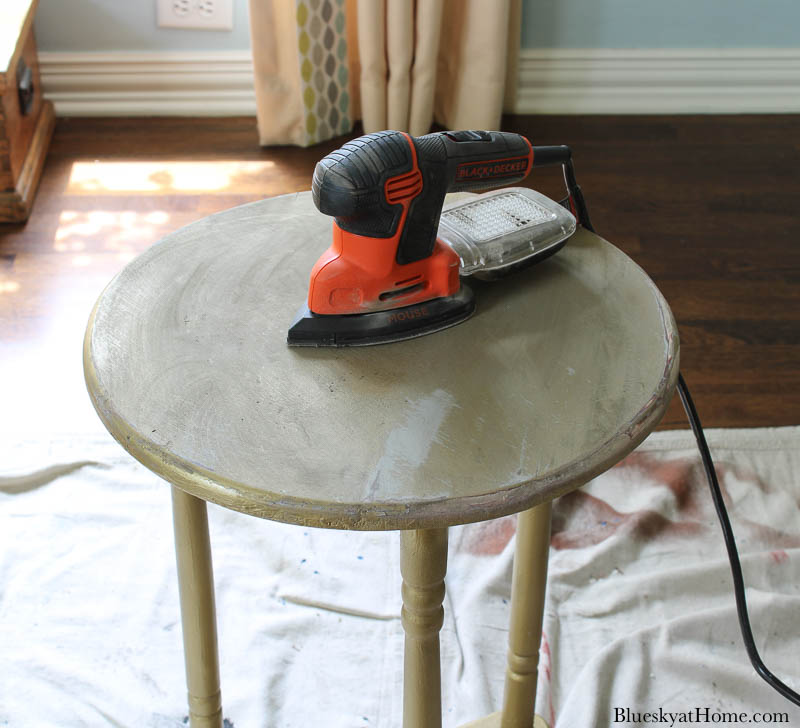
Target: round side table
562, 371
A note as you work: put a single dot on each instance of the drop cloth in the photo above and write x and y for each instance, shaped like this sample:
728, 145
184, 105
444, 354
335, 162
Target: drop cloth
640, 613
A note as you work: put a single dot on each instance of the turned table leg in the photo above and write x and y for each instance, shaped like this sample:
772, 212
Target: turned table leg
196, 584
528, 584
423, 563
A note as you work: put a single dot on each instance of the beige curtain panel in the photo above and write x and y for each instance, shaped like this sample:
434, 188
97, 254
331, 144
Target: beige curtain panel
395, 64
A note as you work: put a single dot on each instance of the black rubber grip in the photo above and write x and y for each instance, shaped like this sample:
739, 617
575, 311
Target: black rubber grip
350, 183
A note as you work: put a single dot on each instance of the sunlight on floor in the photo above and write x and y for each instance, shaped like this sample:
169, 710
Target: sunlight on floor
154, 177
108, 213
106, 231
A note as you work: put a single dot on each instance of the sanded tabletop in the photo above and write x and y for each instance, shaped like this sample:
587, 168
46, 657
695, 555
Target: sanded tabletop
563, 369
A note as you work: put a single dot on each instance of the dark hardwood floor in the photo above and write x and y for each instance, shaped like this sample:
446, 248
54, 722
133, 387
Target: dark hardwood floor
707, 205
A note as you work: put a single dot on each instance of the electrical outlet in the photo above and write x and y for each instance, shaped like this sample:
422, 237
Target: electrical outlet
195, 14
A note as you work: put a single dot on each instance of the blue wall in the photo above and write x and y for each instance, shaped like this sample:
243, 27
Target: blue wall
128, 25
660, 23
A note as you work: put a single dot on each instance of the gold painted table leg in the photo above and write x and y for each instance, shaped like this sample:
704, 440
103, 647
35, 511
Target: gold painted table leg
423, 564
198, 614
528, 584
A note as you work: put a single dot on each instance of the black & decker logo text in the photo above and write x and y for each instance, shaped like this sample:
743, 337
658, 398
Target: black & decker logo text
482, 170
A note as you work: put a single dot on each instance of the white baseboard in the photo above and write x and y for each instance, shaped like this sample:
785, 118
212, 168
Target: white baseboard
551, 81
658, 81
149, 84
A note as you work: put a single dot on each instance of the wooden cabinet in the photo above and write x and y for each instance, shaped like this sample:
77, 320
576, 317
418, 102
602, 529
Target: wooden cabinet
26, 119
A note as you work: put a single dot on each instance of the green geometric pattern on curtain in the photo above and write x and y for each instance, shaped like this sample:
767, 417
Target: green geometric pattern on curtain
322, 54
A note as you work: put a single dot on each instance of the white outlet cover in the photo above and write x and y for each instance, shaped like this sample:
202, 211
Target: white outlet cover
195, 14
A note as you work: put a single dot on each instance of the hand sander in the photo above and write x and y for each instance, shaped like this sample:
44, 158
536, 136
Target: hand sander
386, 276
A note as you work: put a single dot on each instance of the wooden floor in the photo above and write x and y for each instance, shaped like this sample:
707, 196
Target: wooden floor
709, 206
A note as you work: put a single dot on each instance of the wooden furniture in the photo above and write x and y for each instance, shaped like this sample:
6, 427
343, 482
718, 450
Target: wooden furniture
562, 371
26, 119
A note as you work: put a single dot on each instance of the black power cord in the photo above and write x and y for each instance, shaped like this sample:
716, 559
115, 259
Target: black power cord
730, 544
576, 203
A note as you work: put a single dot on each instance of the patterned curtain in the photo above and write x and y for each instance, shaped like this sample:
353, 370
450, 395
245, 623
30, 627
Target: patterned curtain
319, 63
325, 81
